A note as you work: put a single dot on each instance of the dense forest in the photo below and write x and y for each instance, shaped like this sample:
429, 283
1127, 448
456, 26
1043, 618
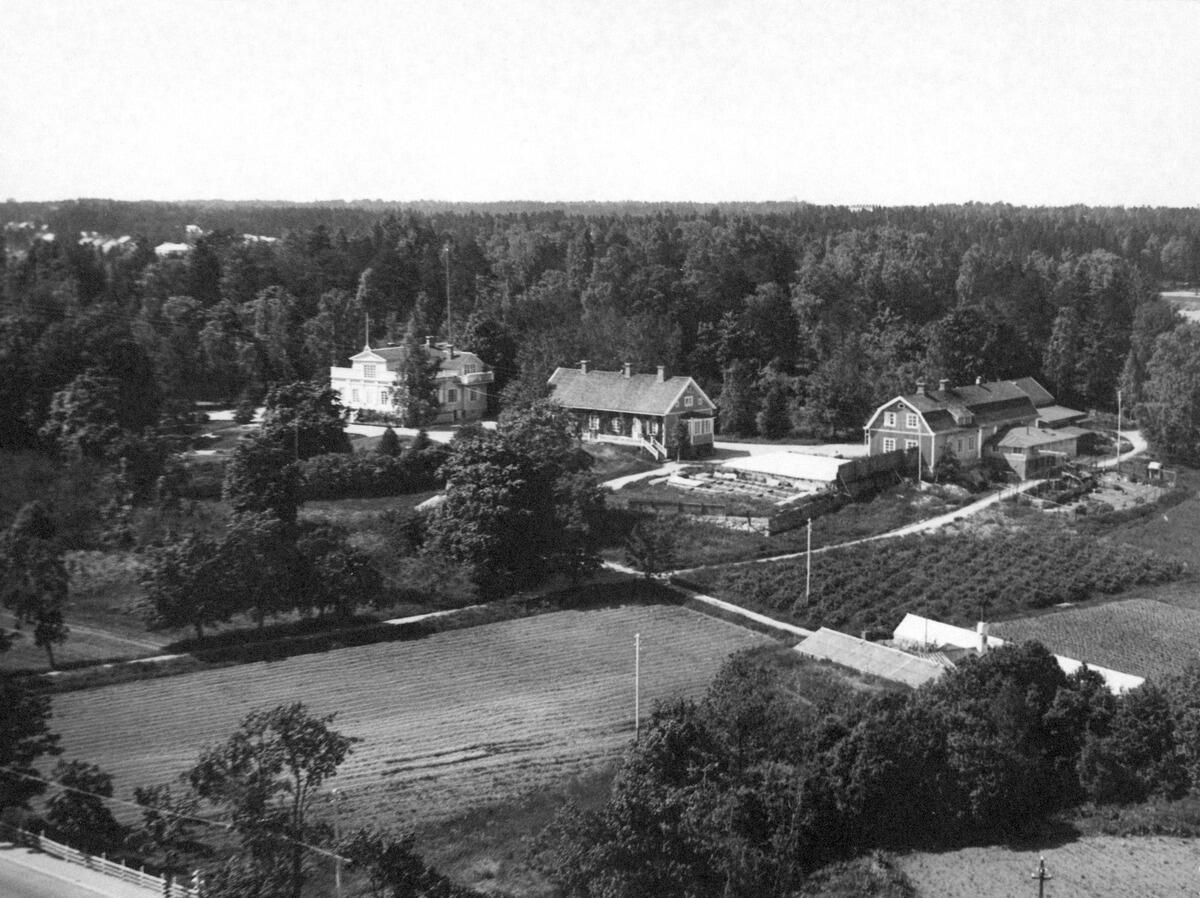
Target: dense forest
798, 319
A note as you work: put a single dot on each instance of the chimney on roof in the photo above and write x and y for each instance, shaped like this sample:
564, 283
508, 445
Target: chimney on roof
626, 369
662, 374
943, 384
449, 350
982, 629
978, 380
583, 363
428, 341
921, 386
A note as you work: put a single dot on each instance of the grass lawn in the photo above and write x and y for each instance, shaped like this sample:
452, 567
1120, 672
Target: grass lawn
612, 461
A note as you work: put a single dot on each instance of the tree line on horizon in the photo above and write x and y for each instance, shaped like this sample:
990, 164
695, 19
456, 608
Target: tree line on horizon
798, 319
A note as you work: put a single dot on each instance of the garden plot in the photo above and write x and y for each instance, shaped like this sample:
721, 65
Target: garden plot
447, 722
1098, 867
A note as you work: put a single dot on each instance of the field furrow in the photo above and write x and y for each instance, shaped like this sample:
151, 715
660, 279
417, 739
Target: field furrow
448, 721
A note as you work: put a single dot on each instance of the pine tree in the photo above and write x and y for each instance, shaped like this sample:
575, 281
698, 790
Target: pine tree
415, 396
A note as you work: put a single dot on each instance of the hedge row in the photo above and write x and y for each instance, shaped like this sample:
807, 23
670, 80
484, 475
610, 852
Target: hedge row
363, 475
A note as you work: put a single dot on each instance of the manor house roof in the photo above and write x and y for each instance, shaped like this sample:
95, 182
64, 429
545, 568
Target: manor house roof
618, 391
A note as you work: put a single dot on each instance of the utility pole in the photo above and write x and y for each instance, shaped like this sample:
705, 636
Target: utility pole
808, 566
637, 685
1041, 876
449, 313
335, 797
1118, 431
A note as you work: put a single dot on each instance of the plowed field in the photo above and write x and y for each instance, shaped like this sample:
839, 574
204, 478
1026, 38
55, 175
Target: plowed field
1098, 867
1137, 636
446, 722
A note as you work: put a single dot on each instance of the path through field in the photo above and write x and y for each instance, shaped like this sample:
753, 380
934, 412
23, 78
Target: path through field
1099, 867
448, 721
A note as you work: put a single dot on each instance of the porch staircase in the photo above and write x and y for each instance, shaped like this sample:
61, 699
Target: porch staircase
655, 448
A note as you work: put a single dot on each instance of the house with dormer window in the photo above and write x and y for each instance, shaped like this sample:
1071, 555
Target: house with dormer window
370, 382
964, 420
642, 410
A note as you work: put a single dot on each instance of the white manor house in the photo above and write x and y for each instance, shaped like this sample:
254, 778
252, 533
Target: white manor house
370, 381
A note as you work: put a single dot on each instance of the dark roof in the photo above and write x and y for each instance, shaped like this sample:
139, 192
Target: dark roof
1035, 391
612, 391
973, 405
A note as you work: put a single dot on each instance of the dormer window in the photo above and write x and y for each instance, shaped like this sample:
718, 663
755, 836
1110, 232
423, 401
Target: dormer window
369, 371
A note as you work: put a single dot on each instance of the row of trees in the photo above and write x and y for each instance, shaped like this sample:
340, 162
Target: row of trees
748, 791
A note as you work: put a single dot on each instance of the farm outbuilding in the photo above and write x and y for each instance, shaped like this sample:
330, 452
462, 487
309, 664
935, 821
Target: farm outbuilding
931, 635
870, 658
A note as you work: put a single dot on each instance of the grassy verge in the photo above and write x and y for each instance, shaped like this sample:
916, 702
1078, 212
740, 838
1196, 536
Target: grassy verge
488, 848
1153, 818
280, 641
611, 462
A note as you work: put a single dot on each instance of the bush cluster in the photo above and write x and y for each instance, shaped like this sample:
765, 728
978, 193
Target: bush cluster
365, 475
747, 792
370, 416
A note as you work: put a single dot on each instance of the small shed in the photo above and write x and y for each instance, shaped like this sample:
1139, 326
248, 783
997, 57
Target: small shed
1059, 416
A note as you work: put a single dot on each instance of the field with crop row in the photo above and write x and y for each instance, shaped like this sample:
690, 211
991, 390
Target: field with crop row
1097, 867
446, 722
1137, 636
944, 576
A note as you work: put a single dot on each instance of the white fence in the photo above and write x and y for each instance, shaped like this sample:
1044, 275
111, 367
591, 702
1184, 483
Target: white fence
166, 887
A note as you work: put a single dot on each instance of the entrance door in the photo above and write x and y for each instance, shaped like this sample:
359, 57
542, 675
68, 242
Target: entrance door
637, 428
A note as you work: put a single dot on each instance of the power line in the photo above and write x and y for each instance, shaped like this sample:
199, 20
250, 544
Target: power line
179, 815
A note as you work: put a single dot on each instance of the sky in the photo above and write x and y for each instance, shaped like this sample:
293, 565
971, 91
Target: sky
841, 101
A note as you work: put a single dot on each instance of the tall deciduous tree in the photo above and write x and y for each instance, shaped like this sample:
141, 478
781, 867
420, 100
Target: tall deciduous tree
1170, 408
518, 507
24, 737
306, 418
186, 586
261, 475
33, 578
267, 776
78, 812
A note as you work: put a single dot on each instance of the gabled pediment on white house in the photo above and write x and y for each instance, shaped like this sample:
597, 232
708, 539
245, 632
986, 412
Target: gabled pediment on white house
367, 355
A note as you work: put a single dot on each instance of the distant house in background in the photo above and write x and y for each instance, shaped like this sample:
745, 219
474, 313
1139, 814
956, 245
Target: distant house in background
370, 381
967, 419
642, 410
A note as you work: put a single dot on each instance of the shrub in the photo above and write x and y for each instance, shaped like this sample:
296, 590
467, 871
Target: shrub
369, 474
